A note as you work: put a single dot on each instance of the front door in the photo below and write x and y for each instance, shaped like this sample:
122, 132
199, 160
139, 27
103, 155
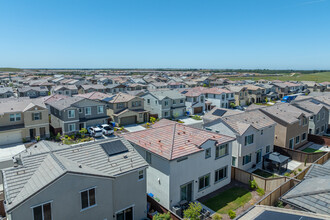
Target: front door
259, 152
32, 133
186, 192
42, 132
126, 214
81, 126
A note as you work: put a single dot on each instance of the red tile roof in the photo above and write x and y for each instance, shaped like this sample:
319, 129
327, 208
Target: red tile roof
173, 140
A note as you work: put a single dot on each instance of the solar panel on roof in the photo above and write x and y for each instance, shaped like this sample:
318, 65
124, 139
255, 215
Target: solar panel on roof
184, 92
108, 99
219, 112
315, 102
114, 147
274, 215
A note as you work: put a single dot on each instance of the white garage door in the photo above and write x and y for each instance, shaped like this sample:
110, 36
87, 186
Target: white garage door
10, 137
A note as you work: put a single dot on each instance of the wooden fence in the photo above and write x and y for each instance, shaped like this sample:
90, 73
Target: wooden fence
161, 209
299, 155
319, 139
2, 208
271, 198
268, 184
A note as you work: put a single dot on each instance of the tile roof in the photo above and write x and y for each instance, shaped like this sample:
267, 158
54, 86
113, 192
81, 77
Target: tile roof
19, 105
61, 104
172, 94
94, 95
43, 164
173, 140
122, 97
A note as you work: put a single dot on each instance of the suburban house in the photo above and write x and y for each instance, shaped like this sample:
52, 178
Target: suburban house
32, 92
115, 88
282, 89
98, 180
216, 113
254, 133
312, 194
91, 88
23, 120
165, 103
270, 91
292, 124
318, 122
6, 92
256, 94
314, 86
195, 101
71, 114
240, 94
157, 85
185, 163
68, 90
219, 97
125, 109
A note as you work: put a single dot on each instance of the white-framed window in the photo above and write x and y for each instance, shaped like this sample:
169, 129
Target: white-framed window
233, 161
166, 114
204, 182
71, 113
297, 139
100, 109
303, 137
174, 102
126, 214
36, 116
166, 103
15, 117
247, 159
141, 174
291, 144
120, 105
42, 211
249, 139
88, 110
267, 149
140, 115
181, 101
221, 150
318, 117
148, 157
207, 153
262, 132
80, 110
220, 174
148, 101
88, 199
304, 121
72, 127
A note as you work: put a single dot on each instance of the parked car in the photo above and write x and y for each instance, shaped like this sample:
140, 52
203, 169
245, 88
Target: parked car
106, 129
95, 131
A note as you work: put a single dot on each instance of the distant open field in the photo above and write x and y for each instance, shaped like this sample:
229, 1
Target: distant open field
317, 77
8, 69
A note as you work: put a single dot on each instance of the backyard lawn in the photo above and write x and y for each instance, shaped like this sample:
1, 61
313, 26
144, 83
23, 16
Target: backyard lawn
232, 198
264, 174
311, 150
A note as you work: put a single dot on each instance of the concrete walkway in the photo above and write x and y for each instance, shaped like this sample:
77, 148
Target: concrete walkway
133, 128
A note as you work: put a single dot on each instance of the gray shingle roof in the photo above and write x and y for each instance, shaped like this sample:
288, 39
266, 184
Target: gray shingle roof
64, 103
173, 94
48, 161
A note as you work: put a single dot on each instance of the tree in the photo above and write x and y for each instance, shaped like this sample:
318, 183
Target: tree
164, 216
152, 120
83, 132
58, 136
193, 212
232, 105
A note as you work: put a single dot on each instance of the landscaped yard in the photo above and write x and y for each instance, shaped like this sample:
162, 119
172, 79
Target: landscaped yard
230, 199
311, 150
264, 174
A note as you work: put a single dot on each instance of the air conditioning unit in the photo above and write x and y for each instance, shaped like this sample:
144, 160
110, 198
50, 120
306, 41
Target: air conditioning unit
177, 210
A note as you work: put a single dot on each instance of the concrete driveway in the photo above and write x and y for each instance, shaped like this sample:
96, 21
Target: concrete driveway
8, 151
135, 127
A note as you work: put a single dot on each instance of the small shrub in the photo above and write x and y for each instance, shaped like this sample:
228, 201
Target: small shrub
72, 136
148, 124
24, 140
260, 191
279, 204
115, 129
299, 170
58, 136
295, 172
164, 216
287, 174
66, 136
196, 117
253, 184
121, 128
37, 138
193, 212
180, 122
152, 120
231, 214
216, 217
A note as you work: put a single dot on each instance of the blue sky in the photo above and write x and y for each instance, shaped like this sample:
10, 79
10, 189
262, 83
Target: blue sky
274, 34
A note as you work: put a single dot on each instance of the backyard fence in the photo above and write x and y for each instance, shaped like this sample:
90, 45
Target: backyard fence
319, 139
2, 208
298, 155
268, 184
161, 209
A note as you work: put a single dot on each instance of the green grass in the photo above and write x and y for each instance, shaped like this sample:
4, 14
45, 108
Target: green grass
317, 77
8, 69
311, 150
230, 199
264, 174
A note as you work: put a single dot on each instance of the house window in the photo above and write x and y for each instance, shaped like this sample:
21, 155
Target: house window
126, 214
42, 212
174, 102
120, 105
166, 114
88, 198
88, 111
249, 139
136, 103
140, 115
267, 149
322, 128
100, 109
220, 174
262, 132
72, 127
181, 101
202, 98
80, 110
297, 139
317, 131
207, 153
36, 116
186, 192
15, 117
303, 137
166, 103
148, 101
204, 182
323, 115
247, 159
233, 161
318, 116
291, 143
221, 150
195, 99
71, 113
304, 121
141, 174
148, 157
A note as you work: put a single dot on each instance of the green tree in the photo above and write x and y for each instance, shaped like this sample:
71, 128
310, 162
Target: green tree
232, 105
83, 132
58, 136
193, 212
164, 216
152, 119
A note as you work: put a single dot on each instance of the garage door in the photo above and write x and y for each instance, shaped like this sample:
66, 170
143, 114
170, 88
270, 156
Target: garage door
10, 137
198, 110
128, 120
